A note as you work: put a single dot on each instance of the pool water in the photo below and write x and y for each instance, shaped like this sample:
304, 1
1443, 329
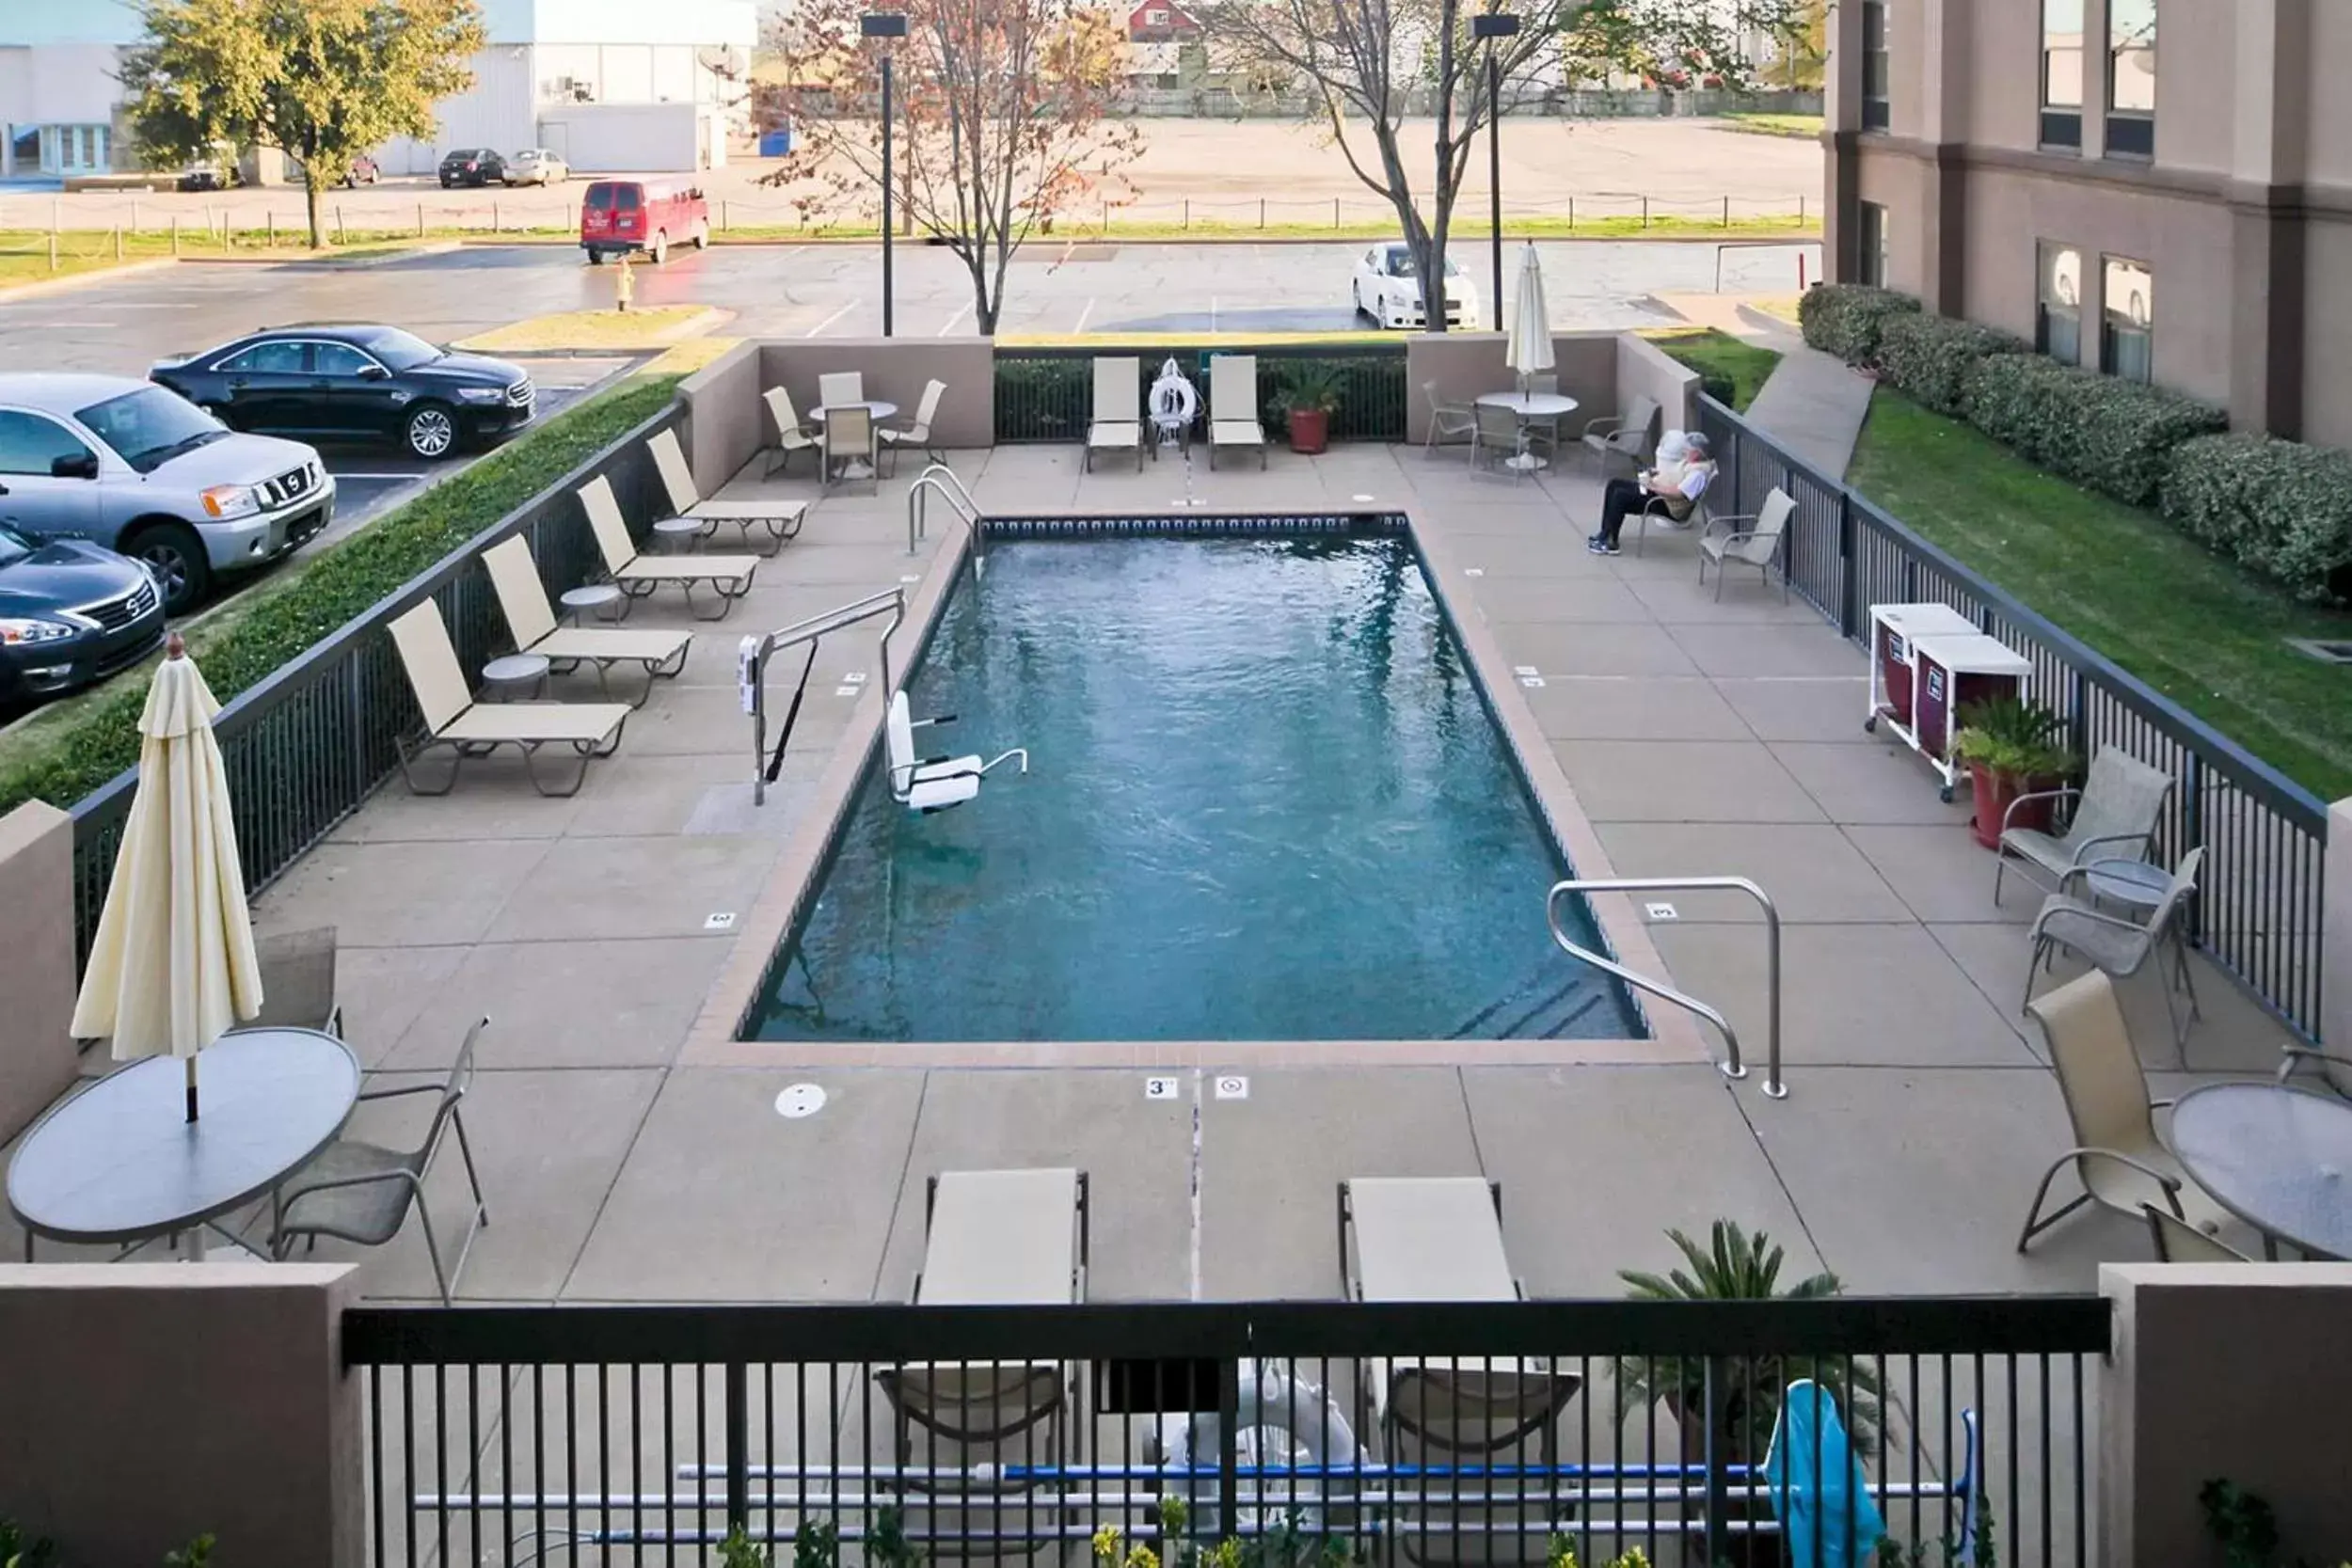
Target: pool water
1265, 802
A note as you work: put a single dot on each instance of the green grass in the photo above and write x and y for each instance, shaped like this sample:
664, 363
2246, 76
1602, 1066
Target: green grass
2190, 624
1809, 127
1712, 353
69, 749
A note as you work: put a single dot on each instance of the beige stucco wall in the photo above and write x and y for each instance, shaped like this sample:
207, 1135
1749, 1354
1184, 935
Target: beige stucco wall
1644, 369
2197, 49
726, 422
2328, 352
2328, 154
1898, 183
895, 370
2005, 75
38, 1061
1463, 364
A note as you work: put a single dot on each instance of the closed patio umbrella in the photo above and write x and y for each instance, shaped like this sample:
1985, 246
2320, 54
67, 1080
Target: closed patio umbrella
172, 966
1530, 349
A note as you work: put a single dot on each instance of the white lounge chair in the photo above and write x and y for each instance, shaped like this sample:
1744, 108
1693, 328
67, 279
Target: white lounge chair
469, 729
919, 433
791, 434
523, 600
1759, 546
782, 518
836, 388
637, 575
1117, 424
1234, 406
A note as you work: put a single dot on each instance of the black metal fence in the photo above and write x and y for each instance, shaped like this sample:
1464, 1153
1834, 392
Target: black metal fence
306, 746
2258, 912
1047, 395
1293, 1434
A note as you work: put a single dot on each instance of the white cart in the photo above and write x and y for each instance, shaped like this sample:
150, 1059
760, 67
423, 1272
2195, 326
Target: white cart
1893, 628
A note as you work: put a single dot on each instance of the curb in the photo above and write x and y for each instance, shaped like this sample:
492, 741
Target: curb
96, 275
706, 321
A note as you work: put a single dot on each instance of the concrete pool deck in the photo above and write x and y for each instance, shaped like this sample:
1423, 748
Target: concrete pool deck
1697, 737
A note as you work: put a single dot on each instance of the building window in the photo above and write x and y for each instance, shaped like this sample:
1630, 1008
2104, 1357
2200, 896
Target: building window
2127, 345
2058, 322
1874, 117
1870, 243
2132, 78
2063, 73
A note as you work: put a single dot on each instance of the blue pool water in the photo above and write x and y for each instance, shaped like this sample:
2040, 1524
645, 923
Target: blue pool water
1265, 802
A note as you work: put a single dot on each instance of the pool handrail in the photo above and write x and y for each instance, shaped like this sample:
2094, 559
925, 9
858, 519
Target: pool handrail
1733, 1067
752, 658
939, 478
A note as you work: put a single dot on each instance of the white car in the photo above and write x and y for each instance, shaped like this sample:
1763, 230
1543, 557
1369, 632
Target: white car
536, 166
1387, 289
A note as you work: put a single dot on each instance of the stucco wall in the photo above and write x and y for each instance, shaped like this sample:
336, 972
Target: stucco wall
2005, 75
38, 1061
1896, 183
726, 422
1463, 364
2327, 354
896, 370
2327, 155
2197, 50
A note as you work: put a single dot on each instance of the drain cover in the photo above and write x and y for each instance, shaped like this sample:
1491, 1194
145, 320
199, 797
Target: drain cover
800, 1100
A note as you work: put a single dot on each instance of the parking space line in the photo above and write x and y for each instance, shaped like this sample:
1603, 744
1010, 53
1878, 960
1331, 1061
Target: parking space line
820, 326
1083, 316
949, 324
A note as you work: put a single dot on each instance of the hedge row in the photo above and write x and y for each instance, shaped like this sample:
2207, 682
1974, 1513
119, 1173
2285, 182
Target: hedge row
2279, 508
62, 756
2115, 437
1928, 357
1846, 319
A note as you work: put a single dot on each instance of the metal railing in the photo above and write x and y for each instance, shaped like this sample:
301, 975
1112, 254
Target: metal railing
939, 479
751, 673
2258, 910
1733, 1066
1461, 1432
1047, 395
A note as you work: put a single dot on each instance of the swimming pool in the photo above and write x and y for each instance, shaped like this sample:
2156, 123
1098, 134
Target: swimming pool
1266, 801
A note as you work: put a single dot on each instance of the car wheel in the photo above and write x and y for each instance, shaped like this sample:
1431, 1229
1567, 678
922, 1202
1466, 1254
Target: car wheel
659, 248
430, 431
178, 557
447, 181
596, 258
701, 236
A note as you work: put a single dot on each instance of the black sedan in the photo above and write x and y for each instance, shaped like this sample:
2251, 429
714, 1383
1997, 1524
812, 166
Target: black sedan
472, 165
354, 383
70, 613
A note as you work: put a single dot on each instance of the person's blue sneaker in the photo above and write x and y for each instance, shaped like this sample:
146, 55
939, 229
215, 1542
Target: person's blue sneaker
1595, 545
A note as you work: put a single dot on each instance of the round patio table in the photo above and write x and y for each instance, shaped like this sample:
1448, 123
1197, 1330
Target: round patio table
2278, 1158
1530, 407
120, 1163
880, 409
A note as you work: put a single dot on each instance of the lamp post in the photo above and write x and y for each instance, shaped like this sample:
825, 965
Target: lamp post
884, 26
1492, 26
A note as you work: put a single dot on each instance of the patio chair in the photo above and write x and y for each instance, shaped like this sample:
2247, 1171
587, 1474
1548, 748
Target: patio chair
836, 388
1447, 420
848, 445
919, 433
469, 729
637, 575
1495, 439
1542, 430
1234, 406
2335, 1068
2117, 1156
2114, 818
299, 982
363, 1192
1452, 1422
1625, 438
1759, 546
927, 784
2177, 1242
782, 518
523, 600
2119, 947
791, 434
1117, 420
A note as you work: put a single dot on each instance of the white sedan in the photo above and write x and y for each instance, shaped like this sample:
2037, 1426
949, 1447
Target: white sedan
536, 166
1387, 289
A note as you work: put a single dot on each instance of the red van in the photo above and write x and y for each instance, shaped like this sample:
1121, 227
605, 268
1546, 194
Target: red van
645, 215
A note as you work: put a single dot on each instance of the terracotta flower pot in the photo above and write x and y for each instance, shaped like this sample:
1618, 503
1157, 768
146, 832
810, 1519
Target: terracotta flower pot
1311, 430
1993, 792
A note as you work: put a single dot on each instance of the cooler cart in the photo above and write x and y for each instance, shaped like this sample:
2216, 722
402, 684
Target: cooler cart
1892, 628
1947, 674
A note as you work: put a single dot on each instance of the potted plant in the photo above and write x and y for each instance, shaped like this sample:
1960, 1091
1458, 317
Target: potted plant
1310, 392
2012, 748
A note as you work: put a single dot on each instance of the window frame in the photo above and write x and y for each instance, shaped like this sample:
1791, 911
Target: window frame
63, 428
2045, 308
1871, 255
1876, 62
229, 366
319, 344
2111, 335
2061, 124
2130, 133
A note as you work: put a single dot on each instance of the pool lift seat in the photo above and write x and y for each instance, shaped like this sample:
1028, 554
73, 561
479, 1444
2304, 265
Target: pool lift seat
927, 785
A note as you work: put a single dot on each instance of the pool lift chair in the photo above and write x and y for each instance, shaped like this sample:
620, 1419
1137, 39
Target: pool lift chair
927, 785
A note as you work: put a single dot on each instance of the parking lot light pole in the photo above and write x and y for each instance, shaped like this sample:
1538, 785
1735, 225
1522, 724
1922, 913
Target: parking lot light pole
1492, 26
884, 26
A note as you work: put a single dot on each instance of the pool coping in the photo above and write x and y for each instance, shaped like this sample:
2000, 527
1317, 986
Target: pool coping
1674, 1037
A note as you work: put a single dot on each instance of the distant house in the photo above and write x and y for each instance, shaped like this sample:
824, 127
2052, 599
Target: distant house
1164, 46
1159, 22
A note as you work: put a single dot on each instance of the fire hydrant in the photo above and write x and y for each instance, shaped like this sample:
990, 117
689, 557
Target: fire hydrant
623, 286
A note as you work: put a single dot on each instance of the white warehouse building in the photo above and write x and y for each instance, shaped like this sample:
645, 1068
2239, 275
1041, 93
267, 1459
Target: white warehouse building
608, 85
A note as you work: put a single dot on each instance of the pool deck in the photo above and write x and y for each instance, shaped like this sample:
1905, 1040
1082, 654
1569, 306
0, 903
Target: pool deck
628, 1156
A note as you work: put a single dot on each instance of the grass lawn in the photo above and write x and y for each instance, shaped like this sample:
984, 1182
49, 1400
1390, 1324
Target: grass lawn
1711, 352
1807, 126
2193, 626
578, 330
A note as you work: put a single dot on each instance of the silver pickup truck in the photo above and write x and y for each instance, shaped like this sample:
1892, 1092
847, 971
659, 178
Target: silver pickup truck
137, 469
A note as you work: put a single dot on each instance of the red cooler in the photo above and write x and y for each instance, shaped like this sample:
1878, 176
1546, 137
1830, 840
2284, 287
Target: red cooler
1953, 672
1893, 629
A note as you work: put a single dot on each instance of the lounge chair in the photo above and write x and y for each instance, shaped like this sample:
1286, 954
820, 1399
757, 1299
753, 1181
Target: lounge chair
299, 982
1117, 423
471, 729
637, 575
2118, 946
835, 389
780, 519
2116, 1155
2115, 818
1452, 1422
523, 600
1761, 544
2180, 1242
1234, 406
791, 434
919, 433
927, 785
1626, 437
1447, 420
849, 446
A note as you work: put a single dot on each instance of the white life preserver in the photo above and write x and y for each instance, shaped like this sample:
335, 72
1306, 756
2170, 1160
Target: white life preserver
1173, 402
1281, 1422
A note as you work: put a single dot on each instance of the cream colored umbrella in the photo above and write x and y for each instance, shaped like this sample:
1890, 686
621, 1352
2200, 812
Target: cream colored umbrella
1529, 350
172, 967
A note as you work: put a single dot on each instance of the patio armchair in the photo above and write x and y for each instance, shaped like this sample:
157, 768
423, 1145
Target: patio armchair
2115, 814
838, 388
1448, 422
1495, 439
299, 982
1542, 430
1116, 421
849, 444
1626, 437
454, 721
523, 600
362, 1192
2335, 1068
1761, 544
2117, 1156
1234, 406
782, 518
2179, 1242
791, 434
919, 433
2118, 946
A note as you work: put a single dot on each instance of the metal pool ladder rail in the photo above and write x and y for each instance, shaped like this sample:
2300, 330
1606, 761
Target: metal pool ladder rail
940, 479
1733, 1067
751, 672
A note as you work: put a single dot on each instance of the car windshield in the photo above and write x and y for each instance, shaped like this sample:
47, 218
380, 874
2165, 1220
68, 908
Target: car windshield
1401, 264
401, 351
150, 427
14, 547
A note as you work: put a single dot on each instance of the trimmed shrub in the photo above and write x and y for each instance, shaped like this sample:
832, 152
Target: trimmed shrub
2279, 508
1844, 318
2112, 436
1927, 357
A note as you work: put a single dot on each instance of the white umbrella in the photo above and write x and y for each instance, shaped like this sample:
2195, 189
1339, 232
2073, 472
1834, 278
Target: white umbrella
172, 967
1529, 350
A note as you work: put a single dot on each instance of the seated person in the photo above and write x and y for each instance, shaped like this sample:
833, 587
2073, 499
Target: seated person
1674, 490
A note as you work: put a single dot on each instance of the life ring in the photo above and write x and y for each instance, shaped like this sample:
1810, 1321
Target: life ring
1281, 1422
1174, 403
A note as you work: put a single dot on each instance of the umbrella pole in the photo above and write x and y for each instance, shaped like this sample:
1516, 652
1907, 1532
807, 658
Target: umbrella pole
191, 1088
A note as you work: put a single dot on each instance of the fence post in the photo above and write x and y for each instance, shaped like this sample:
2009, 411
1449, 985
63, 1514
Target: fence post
1726, 212
1645, 211
1718, 1482
738, 1416
53, 247
175, 235
1335, 211
494, 215
1227, 1445
1801, 209
2193, 836
727, 219
421, 220
269, 221
1849, 585
117, 241
1261, 212
1571, 215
